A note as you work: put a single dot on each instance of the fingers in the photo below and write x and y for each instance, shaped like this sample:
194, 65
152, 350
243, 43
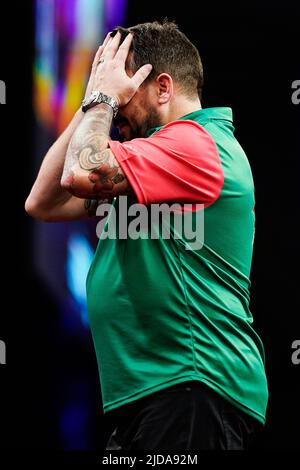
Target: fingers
97, 56
112, 47
123, 50
141, 75
107, 39
101, 48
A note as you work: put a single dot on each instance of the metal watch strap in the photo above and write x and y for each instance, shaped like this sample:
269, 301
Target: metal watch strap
97, 97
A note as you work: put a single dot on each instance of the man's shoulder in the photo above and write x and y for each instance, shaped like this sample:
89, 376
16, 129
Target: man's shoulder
180, 125
185, 134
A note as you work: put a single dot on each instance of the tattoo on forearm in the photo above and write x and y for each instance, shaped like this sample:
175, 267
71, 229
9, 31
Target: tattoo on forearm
91, 136
88, 148
90, 160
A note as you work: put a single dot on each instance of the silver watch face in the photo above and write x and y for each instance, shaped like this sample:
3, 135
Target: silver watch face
93, 96
89, 99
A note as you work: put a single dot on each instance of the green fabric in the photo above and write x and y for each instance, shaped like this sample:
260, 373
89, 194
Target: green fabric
161, 314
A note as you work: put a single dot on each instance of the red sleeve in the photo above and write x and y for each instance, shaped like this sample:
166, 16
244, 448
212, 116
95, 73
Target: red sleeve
179, 163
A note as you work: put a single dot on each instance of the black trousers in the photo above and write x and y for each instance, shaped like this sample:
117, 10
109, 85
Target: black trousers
188, 416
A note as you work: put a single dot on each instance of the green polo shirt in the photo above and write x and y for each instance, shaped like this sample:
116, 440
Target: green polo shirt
162, 314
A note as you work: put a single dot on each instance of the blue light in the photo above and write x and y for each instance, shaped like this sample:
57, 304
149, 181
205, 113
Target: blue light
79, 258
74, 423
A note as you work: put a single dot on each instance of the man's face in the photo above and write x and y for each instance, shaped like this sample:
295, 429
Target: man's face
139, 115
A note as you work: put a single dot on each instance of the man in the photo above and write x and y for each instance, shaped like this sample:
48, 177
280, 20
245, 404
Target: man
180, 366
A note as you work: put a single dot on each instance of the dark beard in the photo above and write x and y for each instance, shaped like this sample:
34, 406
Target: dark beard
153, 119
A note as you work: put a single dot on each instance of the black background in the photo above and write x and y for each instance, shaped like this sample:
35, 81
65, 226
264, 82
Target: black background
251, 57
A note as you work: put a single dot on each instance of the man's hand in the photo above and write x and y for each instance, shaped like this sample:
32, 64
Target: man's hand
91, 83
111, 77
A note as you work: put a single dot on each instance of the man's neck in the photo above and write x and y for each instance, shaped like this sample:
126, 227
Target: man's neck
180, 107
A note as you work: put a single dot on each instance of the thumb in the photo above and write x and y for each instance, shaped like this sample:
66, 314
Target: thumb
141, 75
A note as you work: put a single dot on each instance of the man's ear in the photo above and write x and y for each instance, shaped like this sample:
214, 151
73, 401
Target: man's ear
165, 87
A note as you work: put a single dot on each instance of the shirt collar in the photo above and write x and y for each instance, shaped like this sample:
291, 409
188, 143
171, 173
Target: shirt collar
202, 116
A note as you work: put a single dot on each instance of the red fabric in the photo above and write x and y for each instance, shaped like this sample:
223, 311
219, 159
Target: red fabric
179, 163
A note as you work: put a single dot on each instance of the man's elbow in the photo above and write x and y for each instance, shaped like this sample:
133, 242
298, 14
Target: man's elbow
31, 208
35, 211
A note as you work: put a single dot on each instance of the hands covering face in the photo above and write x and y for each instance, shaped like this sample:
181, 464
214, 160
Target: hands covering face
108, 70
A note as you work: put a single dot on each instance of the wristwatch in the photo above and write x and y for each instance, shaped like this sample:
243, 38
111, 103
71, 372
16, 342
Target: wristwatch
97, 97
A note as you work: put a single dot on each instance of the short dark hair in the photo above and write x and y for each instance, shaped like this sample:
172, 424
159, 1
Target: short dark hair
168, 50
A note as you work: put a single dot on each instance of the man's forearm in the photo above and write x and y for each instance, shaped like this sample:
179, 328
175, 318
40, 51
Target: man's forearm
89, 140
87, 152
47, 191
